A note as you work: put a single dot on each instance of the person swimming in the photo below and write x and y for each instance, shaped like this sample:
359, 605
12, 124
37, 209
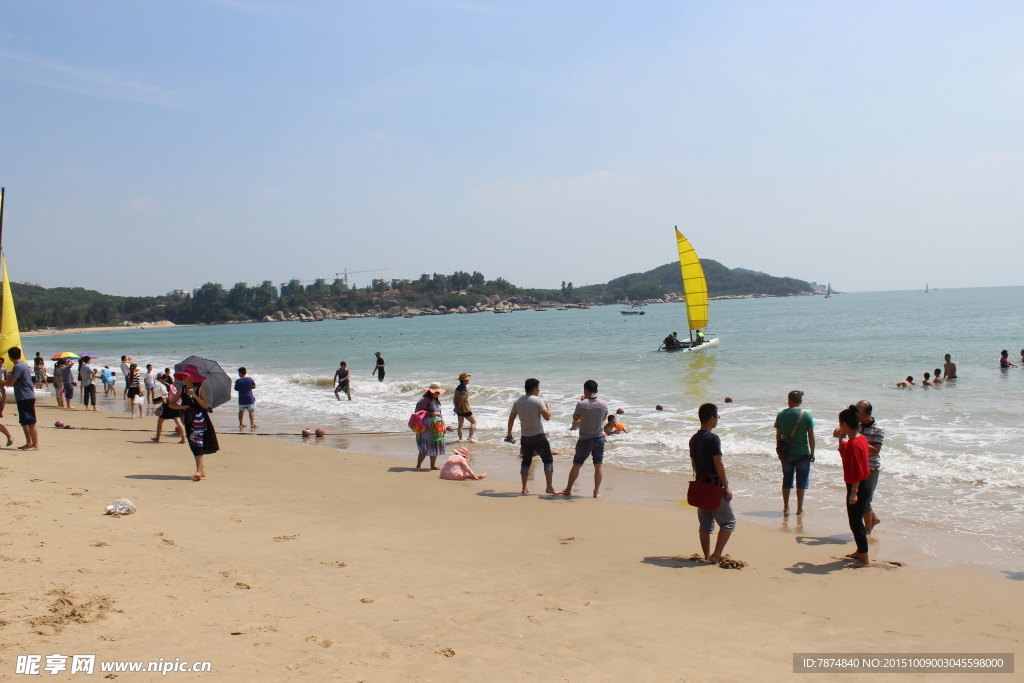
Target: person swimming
905, 384
938, 376
1004, 360
927, 381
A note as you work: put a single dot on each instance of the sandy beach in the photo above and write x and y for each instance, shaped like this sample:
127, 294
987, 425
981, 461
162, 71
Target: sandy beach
297, 563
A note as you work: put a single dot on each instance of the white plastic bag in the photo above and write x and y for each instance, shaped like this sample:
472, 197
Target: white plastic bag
121, 506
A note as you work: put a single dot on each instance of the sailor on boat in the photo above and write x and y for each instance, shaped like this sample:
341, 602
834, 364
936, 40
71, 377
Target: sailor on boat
700, 338
672, 341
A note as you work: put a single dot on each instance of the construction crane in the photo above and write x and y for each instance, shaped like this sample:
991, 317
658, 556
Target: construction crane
345, 273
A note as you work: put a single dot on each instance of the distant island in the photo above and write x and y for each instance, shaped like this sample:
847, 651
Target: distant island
75, 307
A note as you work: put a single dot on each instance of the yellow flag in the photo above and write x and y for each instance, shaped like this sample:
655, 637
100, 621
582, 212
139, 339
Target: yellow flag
9, 333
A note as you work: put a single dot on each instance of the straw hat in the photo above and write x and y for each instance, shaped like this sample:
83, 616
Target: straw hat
464, 375
463, 451
435, 388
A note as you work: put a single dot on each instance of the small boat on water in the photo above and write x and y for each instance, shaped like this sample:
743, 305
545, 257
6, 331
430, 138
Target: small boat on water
632, 310
561, 309
406, 315
540, 309
828, 293
695, 289
584, 307
311, 320
926, 288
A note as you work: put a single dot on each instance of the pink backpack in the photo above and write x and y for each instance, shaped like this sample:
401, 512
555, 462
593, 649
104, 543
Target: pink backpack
416, 421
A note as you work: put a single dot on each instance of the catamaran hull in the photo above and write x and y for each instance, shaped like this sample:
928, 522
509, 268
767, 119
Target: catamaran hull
706, 345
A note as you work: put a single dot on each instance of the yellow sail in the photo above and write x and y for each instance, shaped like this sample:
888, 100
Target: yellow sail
695, 287
9, 334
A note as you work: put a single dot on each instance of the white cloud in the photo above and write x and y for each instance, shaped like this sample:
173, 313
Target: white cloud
97, 83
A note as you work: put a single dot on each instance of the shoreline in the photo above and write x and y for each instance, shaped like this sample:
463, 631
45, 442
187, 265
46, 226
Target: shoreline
914, 545
288, 562
114, 328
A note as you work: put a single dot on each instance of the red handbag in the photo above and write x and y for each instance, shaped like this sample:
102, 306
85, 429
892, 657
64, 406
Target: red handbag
704, 494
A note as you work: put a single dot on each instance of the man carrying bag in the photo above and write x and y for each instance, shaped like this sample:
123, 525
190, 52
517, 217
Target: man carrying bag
794, 444
710, 492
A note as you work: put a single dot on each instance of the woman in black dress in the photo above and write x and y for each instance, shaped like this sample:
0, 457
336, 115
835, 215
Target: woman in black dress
192, 400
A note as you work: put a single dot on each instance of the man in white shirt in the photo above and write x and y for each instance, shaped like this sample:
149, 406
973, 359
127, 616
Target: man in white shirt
125, 366
531, 411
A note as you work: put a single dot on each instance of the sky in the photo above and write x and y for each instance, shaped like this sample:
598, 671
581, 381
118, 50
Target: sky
150, 145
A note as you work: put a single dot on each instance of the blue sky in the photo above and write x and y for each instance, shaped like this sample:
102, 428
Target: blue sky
152, 145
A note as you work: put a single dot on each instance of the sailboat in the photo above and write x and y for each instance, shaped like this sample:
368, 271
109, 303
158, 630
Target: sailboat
9, 333
926, 288
828, 294
695, 289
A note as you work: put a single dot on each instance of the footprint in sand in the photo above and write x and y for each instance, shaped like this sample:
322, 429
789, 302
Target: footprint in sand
286, 538
566, 541
334, 564
99, 544
242, 586
366, 600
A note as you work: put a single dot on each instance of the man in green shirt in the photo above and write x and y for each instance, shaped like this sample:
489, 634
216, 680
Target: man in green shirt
794, 427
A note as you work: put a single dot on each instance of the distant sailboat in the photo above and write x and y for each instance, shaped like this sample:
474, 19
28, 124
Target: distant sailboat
828, 294
926, 288
695, 289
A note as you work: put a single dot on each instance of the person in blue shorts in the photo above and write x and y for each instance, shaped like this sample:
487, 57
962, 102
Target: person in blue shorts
589, 417
21, 379
342, 380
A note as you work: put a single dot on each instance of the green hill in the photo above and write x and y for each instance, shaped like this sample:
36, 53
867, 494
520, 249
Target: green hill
722, 281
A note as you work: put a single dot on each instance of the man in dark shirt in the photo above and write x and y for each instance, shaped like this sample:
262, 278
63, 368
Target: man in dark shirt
378, 369
706, 458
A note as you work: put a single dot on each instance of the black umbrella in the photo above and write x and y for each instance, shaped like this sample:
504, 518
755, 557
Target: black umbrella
218, 383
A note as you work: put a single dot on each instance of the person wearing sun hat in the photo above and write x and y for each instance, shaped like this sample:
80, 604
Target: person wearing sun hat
462, 409
192, 399
430, 441
457, 468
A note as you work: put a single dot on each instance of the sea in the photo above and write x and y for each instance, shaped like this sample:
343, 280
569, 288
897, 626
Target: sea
952, 483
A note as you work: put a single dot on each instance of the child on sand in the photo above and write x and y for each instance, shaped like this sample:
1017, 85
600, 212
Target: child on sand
706, 458
457, 468
853, 449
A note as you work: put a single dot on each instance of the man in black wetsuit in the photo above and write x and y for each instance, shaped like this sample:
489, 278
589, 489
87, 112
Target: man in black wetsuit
671, 341
379, 367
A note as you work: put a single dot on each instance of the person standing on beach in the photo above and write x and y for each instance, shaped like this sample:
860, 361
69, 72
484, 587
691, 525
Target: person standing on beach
246, 399
706, 458
430, 440
149, 383
949, 368
378, 369
342, 381
67, 377
58, 382
107, 379
462, 409
87, 376
167, 411
853, 449
125, 367
192, 399
133, 384
21, 379
589, 416
531, 411
39, 369
875, 436
794, 438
